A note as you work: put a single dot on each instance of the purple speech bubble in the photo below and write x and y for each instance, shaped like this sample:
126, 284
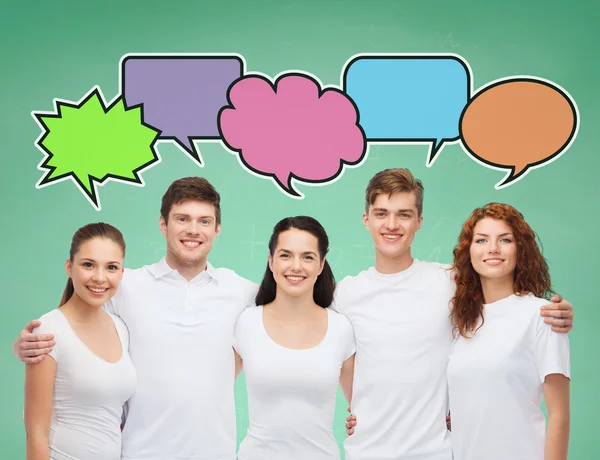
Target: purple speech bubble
181, 94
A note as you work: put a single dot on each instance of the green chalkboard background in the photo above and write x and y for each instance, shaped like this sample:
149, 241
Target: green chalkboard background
61, 49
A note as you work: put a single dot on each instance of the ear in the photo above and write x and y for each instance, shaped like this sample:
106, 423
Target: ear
322, 266
270, 262
162, 225
420, 222
68, 267
365, 219
218, 230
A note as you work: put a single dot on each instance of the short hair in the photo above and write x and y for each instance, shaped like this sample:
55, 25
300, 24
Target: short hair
190, 189
390, 181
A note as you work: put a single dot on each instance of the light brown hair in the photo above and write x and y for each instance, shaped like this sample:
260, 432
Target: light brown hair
392, 181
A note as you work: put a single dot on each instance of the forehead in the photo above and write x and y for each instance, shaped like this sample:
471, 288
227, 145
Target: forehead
100, 249
491, 226
193, 208
398, 200
297, 241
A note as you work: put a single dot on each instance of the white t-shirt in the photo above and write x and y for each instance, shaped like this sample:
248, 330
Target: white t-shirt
495, 382
403, 340
291, 393
181, 345
89, 394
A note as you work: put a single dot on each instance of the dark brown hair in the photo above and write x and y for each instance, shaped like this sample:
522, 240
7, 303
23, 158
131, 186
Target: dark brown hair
531, 271
86, 233
325, 284
392, 181
190, 189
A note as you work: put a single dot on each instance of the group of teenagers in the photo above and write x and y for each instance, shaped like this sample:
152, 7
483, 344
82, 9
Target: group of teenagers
437, 362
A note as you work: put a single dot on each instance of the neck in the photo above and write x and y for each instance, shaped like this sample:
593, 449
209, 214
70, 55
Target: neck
81, 311
497, 289
390, 265
294, 306
188, 271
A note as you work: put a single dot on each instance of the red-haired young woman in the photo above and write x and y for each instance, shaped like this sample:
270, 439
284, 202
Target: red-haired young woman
505, 359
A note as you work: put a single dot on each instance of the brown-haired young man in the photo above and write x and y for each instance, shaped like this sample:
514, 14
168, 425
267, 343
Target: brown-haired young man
400, 313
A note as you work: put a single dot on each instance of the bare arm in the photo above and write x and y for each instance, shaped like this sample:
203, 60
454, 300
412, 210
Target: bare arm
239, 364
32, 348
347, 377
556, 393
39, 394
559, 314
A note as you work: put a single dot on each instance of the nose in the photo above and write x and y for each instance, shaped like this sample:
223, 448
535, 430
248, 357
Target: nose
99, 276
193, 228
392, 222
494, 247
296, 264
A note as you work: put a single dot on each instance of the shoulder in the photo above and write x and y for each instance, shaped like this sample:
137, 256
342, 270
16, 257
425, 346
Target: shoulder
119, 323
248, 315
339, 321
51, 323
231, 277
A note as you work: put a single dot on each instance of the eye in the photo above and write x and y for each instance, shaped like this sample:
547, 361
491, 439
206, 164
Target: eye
181, 219
379, 214
309, 257
205, 222
506, 240
88, 264
113, 267
404, 215
480, 240
283, 256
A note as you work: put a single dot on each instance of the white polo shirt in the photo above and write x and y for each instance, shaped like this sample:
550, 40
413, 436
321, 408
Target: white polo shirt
181, 338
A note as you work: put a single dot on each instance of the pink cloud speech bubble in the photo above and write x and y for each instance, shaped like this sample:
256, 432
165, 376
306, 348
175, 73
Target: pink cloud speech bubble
292, 129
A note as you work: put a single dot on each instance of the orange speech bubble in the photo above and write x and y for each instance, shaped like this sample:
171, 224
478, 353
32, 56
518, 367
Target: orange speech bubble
518, 123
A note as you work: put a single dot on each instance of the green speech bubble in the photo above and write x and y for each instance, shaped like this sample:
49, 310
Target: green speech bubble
90, 143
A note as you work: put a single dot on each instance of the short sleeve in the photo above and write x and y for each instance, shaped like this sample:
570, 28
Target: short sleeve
239, 331
251, 291
349, 341
338, 295
551, 351
48, 327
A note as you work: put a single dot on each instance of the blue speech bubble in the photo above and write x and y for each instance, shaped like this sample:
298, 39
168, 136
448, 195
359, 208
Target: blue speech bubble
409, 98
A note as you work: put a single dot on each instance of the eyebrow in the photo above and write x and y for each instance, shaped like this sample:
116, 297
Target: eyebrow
287, 251
484, 234
187, 215
85, 259
399, 210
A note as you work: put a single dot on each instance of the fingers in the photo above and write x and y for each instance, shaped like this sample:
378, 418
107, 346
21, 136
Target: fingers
557, 298
558, 313
349, 409
350, 424
37, 359
32, 325
36, 352
24, 346
563, 329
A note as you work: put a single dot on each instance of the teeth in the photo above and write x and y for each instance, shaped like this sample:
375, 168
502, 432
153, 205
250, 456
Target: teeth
98, 290
191, 244
391, 237
295, 278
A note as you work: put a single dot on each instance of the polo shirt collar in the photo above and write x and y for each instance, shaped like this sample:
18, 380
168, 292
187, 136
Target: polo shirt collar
161, 268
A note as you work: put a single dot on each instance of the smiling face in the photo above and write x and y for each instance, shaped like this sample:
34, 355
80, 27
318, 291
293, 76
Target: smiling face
96, 270
190, 232
493, 250
393, 222
296, 263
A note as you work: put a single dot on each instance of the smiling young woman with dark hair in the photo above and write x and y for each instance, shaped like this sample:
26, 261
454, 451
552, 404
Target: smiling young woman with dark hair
294, 350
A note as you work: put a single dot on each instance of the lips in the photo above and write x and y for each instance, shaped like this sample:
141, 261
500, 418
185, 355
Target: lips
295, 279
97, 291
493, 262
191, 244
391, 237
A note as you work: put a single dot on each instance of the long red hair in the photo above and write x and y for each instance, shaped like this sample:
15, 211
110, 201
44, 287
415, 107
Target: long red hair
531, 271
